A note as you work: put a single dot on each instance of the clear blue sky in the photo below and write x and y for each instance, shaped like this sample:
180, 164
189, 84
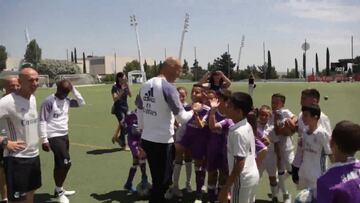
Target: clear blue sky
100, 27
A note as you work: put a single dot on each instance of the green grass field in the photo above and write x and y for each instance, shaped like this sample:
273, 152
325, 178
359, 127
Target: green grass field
99, 169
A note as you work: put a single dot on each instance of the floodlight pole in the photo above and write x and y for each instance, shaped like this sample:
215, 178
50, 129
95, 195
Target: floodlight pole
241, 46
134, 23
186, 25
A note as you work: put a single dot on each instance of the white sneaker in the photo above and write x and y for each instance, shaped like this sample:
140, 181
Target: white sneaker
203, 189
69, 192
63, 199
65, 192
287, 198
188, 188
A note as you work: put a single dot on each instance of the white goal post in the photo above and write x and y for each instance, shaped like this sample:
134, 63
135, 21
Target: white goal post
77, 79
136, 76
44, 81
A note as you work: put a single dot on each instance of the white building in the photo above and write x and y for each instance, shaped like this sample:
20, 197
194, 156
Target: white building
102, 65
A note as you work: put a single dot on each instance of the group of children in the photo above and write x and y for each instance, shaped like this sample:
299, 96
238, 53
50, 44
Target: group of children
235, 143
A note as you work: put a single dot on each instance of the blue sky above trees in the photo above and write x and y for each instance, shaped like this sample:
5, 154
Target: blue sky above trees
100, 27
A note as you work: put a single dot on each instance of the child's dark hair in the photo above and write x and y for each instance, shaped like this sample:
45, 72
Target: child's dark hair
182, 88
224, 94
198, 85
313, 93
242, 101
346, 135
119, 75
281, 96
314, 110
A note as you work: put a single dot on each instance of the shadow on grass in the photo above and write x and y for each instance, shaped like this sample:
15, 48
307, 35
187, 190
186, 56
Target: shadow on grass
44, 198
103, 151
262, 201
123, 196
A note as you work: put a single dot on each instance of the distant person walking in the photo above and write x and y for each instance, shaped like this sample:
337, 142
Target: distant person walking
158, 105
251, 85
120, 92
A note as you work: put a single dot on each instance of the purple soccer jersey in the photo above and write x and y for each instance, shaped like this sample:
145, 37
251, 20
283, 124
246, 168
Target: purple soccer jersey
347, 192
216, 149
259, 146
337, 174
195, 138
134, 135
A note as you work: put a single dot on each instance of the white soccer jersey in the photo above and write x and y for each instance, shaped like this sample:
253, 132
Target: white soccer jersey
315, 148
241, 143
158, 104
324, 122
54, 115
21, 118
285, 143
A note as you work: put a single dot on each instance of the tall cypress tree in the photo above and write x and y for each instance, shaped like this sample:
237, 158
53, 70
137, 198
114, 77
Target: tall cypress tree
317, 64
75, 56
304, 65
72, 57
296, 69
84, 63
327, 62
269, 65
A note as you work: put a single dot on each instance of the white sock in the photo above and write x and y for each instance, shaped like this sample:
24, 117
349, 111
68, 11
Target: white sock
188, 169
274, 190
59, 189
176, 175
282, 186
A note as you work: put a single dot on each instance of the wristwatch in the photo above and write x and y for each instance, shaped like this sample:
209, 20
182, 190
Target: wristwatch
4, 142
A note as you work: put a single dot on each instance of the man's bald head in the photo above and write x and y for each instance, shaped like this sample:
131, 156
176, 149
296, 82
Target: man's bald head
64, 87
11, 84
29, 80
171, 69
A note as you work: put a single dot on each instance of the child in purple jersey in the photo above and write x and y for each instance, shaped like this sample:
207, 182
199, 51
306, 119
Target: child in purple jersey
134, 136
219, 125
347, 192
181, 154
196, 136
345, 142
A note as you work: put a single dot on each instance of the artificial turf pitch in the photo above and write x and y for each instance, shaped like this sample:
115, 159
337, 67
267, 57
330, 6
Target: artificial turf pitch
99, 169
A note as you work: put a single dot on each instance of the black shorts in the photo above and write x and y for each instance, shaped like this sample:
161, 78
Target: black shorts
22, 175
1, 157
60, 148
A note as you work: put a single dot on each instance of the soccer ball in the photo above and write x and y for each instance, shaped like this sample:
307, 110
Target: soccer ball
143, 189
305, 196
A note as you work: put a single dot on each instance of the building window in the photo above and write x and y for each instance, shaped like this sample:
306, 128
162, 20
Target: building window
97, 61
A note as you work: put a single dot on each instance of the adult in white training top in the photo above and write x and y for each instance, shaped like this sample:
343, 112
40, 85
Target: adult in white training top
54, 118
158, 105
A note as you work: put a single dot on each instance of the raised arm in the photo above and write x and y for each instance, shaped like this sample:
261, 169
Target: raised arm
78, 99
205, 78
213, 125
226, 80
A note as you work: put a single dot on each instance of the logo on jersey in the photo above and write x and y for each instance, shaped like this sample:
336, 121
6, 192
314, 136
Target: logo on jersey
149, 96
29, 122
